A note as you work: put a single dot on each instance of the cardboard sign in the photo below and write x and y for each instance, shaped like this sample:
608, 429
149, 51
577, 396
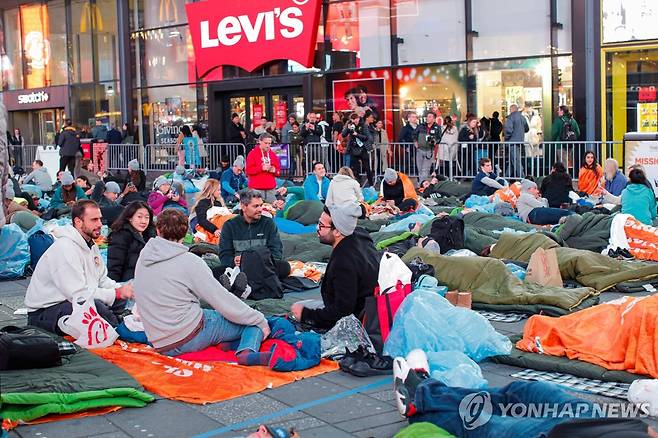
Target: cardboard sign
248, 34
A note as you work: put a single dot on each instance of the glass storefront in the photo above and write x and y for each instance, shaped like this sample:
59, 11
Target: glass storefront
165, 110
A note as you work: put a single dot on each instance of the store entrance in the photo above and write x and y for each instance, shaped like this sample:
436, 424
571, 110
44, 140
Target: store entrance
38, 127
257, 106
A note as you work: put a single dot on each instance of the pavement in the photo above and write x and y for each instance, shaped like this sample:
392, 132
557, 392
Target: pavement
333, 405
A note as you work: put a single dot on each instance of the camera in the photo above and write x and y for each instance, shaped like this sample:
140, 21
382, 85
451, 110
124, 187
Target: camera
431, 140
351, 126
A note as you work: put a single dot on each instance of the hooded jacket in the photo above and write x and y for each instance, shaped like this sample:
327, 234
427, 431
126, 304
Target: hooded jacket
239, 236
69, 142
343, 189
57, 201
69, 268
257, 178
312, 187
40, 178
169, 281
639, 201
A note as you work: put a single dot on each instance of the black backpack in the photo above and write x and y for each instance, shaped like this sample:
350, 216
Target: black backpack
27, 347
261, 274
448, 232
568, 133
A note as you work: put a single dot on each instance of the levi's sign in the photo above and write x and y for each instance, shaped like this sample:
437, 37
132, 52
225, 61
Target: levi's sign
34, 97
248, 34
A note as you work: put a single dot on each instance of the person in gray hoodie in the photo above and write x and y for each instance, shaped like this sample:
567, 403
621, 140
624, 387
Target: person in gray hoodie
534, 209
515, 129
170, 282
39, 177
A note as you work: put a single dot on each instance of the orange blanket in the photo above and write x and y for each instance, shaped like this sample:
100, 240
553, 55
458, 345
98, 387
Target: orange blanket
218, 221
198, 382
642, 239
620, 335
11, 424
508, 194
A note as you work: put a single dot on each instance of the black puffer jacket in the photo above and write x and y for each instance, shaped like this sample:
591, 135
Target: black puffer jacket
123, 252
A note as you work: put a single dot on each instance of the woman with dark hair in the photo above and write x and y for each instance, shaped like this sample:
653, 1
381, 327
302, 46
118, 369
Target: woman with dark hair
590, 175
638, 198
556, 186
188, 148
130, 232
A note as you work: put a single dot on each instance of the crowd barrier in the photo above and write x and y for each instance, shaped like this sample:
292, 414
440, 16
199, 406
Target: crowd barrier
456, 161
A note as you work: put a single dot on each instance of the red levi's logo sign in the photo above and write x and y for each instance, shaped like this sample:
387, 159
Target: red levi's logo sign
248, 34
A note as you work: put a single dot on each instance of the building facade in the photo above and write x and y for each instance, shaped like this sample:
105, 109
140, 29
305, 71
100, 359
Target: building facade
132, 61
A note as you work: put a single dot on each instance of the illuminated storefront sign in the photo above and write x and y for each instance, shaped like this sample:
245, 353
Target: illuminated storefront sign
36, 46
35, 97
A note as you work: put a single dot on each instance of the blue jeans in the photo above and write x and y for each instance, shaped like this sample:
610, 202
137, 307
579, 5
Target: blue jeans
547, 216
217, 329
439, 405
515, 169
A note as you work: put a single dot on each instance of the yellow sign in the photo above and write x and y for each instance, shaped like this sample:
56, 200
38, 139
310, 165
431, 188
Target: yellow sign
36, 46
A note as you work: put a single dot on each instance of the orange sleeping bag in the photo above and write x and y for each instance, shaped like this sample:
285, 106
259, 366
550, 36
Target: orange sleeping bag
218, 221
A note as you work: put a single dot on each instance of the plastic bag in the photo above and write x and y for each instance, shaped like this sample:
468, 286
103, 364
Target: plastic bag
88, 328
391, 271
456, 370
476, 200
428, 321
14, 252
370, 195
516, 270
645, 391
461, 253
347, 333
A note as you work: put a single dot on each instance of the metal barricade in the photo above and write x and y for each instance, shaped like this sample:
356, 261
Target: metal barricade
24, 155
164, 157
119, 155
214, 152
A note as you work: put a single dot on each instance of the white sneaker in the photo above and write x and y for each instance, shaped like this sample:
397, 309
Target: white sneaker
403, 397
417, 360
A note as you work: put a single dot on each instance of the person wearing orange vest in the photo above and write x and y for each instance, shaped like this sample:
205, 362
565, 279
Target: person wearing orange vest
398, 189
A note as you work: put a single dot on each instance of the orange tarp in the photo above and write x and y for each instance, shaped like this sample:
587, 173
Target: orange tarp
621, 335
10, 424
198, 382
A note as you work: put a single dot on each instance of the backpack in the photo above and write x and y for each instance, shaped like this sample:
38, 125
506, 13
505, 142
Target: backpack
258, 266
39, 242
448, 232
27, 347
568, 133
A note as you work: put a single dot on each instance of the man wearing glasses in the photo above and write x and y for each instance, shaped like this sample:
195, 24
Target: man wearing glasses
351, 273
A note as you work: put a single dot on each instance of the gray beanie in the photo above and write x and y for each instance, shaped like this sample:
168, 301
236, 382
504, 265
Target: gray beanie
9, 191
239, 162
67, 179
345, 216
160, 181
390, 175
526, 185
180, 170
112, 187
133, 165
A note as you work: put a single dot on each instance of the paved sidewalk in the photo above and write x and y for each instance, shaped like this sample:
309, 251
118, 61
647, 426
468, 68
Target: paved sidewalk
332, 405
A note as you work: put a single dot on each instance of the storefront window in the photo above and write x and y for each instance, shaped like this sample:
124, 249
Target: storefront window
521, 28
165, 110
160, 13
430, 30
441, 89
526, 83
628, 21
168, 56
106, 39
631, 88
85, 17
59, 66
564, 32
359, 33
564, 84
12, 67
92, 101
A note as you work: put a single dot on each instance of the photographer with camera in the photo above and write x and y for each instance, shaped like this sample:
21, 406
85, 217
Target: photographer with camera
359, 144
429, 137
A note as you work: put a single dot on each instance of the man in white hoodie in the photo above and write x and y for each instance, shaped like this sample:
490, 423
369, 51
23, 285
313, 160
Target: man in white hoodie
72, 268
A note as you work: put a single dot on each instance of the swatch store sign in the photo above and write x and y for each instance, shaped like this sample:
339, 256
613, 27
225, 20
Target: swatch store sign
248, 34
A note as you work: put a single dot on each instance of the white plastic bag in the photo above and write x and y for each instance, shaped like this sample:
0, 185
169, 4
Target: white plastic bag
88, 328
645, 391
392, 270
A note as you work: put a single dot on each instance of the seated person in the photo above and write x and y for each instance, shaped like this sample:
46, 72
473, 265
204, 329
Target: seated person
68, 193
615, 181
87, 170
589, 176
108, 196
486, 182
397, 189
556, 186
163, 195
638, 198
11, 207
534, 209
136, 176
130, 232
344, 188
249, 230
223, 166
171, 282
316, 184
82, 182
71, 268
233, 181
39, 177
351, 274
209, 197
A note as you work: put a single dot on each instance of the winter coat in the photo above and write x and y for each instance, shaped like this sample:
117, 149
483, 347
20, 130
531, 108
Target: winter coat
617, 184
639, 201
515, 127
157, 201
40, 178
69, 142
232, 183
58, 202
291, 350
311, 188
123, 250
589, 180
257, 178
343, 189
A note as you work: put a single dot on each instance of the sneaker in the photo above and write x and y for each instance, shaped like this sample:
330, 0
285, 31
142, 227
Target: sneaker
613, 253
371, 365
351, 357
225, 281
404, 393
240, 285
625, 254
417, 360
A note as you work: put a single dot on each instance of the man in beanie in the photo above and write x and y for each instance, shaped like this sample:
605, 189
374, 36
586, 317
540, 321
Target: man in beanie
397, 189
108, 196
534, 209
351, 273
68, 193
233, 180
136, 179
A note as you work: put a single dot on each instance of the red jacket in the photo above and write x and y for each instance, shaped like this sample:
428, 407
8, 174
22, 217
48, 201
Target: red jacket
257, 179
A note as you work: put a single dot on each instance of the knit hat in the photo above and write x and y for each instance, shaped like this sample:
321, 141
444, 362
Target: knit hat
345, 216
66, 179
9, 191
526, 185
390, 175
112, 187
239, 162
180, 170
133, 165
161, 180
